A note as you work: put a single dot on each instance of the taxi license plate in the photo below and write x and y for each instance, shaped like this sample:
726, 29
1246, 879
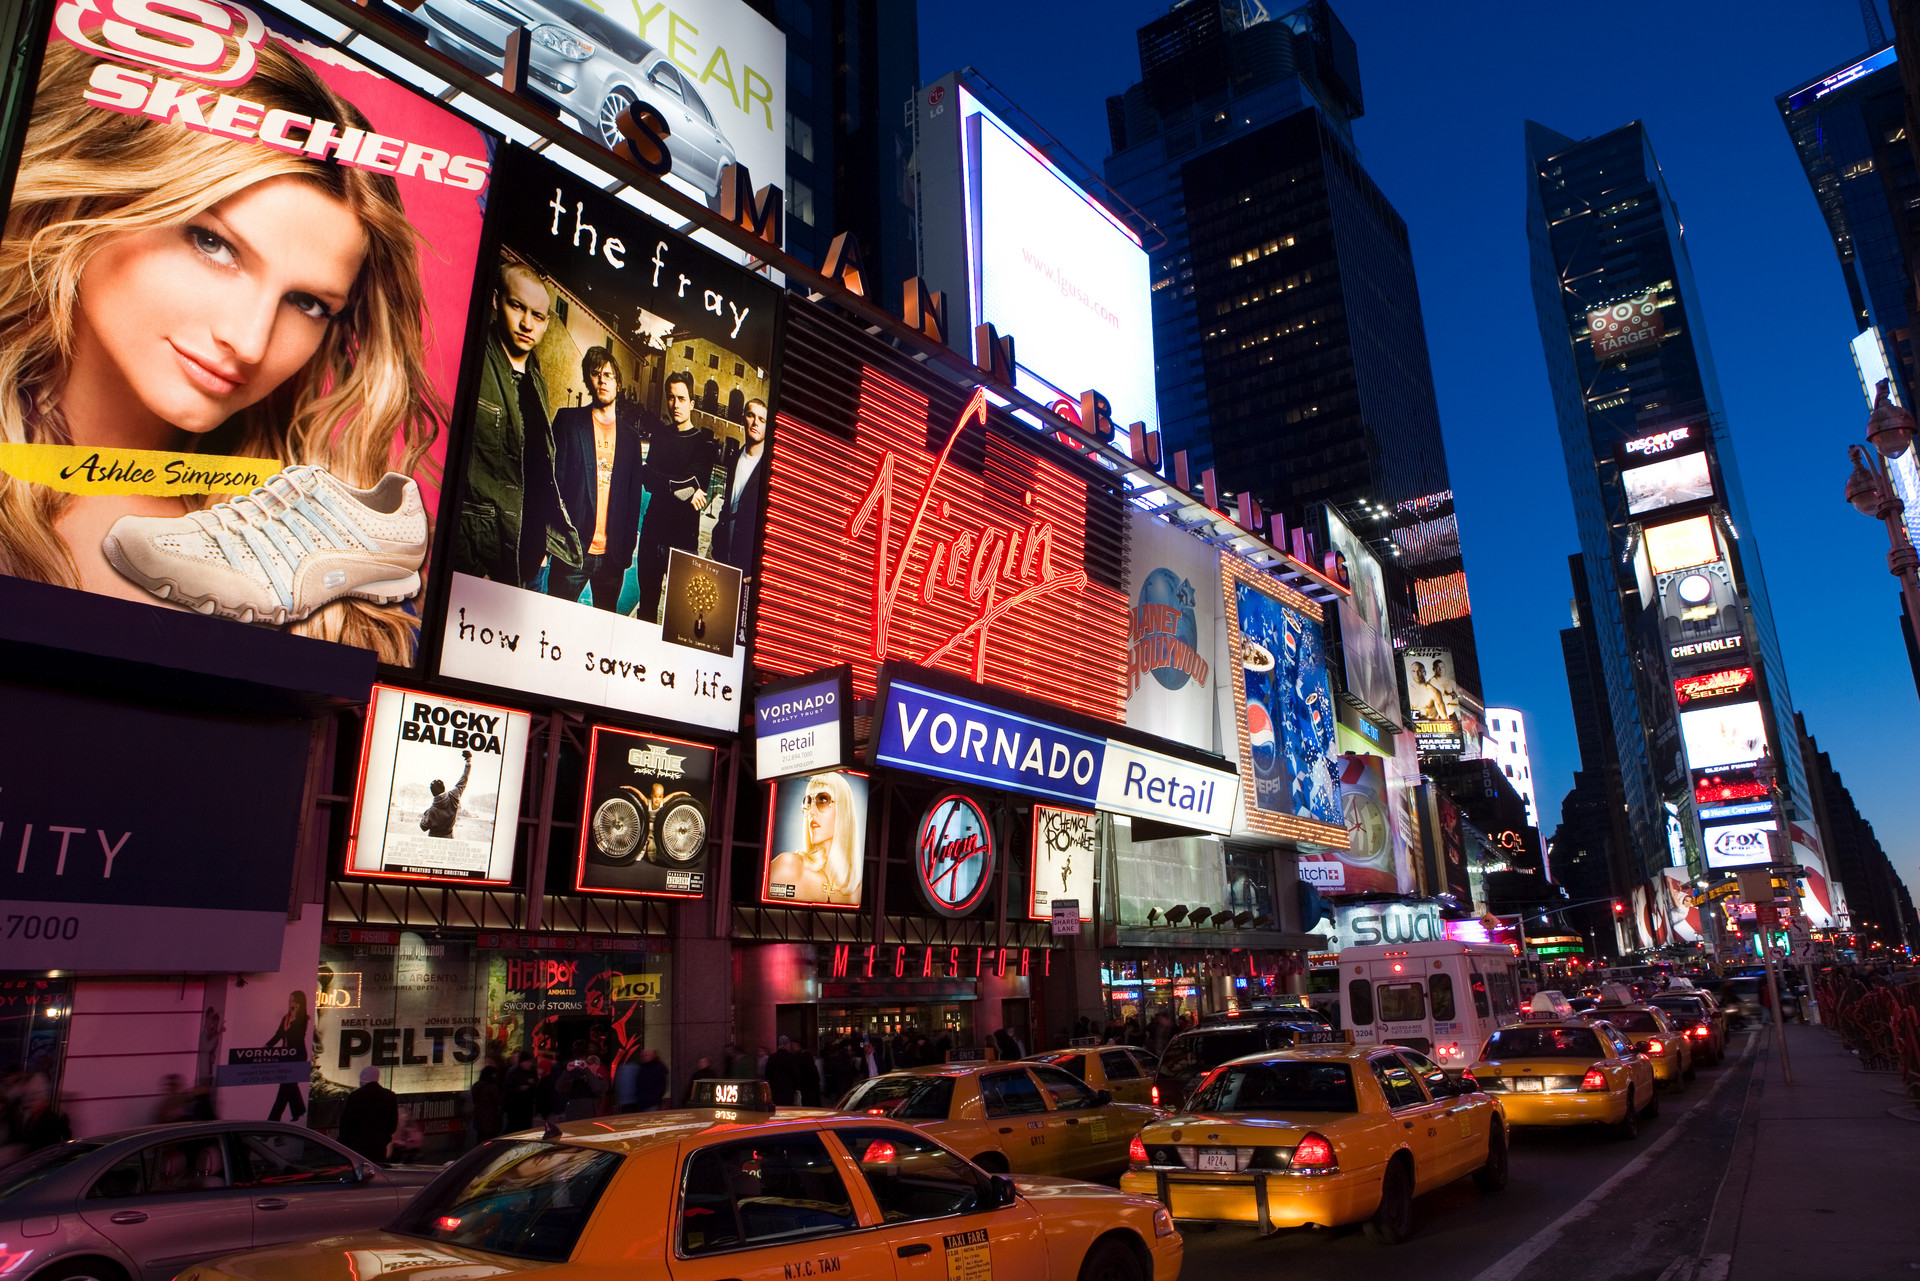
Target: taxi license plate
1529, 1083
1214, 1159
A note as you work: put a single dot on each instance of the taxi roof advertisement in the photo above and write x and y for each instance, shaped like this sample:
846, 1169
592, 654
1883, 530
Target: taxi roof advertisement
345, 425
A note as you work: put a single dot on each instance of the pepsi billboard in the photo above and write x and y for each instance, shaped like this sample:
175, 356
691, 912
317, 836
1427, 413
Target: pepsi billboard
1283, 709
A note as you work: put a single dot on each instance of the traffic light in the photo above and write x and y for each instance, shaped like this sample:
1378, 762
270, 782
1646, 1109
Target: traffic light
1619, 908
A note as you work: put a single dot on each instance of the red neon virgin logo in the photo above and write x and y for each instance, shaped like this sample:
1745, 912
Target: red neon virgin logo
996, 570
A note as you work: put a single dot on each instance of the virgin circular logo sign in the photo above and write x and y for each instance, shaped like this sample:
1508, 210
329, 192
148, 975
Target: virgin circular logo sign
954, 855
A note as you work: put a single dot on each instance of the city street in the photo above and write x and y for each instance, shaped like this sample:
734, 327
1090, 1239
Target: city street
1581, 1204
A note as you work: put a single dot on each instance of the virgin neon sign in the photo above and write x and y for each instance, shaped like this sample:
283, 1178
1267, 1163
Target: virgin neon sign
920, 541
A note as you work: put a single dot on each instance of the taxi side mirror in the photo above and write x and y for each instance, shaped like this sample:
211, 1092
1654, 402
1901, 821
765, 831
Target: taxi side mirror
1102, 1097
1642, 1047
363, 1171
1001, 1192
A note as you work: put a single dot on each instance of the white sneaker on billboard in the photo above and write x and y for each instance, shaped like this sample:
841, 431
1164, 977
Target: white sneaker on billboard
275, 555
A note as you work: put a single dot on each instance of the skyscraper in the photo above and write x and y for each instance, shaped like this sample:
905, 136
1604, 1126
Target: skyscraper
1676, 590
852, 68
1289, 348
1849, 129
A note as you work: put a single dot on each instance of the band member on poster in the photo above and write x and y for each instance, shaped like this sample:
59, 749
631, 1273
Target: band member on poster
744, 494
513, 518
678, 474
131, 318
440, 814
597, 451
828, 870
292, 1033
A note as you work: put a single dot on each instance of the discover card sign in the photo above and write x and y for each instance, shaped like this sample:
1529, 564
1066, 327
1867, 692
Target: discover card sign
930, 732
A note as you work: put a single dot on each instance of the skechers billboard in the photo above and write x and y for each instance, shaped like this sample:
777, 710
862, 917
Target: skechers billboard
233, 284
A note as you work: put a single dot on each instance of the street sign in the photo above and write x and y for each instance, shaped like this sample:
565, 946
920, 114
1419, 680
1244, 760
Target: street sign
1066, 916
1800, 939
1766, 915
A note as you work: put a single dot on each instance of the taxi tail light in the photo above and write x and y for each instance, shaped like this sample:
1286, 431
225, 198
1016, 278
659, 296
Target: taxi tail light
1595, 1079
1313, 1153
1156, 1096
1696, 1030
1137, 1151
1656, 1047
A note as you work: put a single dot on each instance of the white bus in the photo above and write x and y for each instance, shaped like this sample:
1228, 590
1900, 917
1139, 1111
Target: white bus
1441, 998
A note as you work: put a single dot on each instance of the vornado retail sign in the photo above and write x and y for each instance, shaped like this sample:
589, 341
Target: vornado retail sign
928, 731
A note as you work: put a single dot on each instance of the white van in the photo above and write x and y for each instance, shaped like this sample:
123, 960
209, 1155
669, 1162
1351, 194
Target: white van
1441, 998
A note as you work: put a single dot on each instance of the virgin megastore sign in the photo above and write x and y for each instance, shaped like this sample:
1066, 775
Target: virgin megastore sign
929, 731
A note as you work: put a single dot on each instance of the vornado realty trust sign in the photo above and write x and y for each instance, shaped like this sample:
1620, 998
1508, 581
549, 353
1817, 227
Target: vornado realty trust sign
929, 731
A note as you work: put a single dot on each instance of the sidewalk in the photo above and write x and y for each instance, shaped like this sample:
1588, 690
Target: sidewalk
1824, 1183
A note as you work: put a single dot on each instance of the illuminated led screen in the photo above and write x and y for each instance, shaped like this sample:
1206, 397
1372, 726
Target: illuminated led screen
1738, 844
1058, 272
1681, 544
1438, 599
1670, 481
1720, 736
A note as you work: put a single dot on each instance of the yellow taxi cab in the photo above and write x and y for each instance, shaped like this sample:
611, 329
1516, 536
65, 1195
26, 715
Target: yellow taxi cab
1014, 1117
1568, 1071
706, 1194
1121, 1070
1321, 1136
1654, 1034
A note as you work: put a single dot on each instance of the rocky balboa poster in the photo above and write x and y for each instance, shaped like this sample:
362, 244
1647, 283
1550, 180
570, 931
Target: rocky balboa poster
439, 789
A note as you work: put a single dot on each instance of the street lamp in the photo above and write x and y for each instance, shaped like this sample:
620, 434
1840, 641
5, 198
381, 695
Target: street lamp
1870, 489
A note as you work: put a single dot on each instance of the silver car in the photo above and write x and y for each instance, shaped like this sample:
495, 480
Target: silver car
143, 1204
591, 67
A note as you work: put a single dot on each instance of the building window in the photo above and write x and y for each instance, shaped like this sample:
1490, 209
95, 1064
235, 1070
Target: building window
803, 202
799, 137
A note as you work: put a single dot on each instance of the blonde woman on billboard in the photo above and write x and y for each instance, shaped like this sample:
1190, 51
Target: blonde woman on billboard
166, 288
828, 870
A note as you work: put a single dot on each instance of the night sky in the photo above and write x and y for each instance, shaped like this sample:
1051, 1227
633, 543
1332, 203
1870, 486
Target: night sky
1447, 88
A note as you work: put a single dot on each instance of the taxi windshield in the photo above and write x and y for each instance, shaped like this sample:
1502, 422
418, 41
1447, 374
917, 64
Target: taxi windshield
1634, 1021
1544, 1043
914, 1098
1194, 1052
527, 1199
1285, 1086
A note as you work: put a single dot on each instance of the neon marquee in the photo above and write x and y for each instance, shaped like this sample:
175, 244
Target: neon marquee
901, 544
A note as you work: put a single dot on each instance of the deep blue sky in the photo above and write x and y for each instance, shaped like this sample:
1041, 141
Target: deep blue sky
1447, 88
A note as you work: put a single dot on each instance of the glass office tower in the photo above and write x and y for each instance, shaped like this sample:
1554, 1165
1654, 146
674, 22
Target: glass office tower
1289, 348
1675, 586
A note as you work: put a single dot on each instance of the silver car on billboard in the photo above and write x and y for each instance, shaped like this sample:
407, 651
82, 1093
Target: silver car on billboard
141, 1205
592, 68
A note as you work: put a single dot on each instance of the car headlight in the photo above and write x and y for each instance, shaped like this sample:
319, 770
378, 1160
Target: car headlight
1163, 1223
562, 42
